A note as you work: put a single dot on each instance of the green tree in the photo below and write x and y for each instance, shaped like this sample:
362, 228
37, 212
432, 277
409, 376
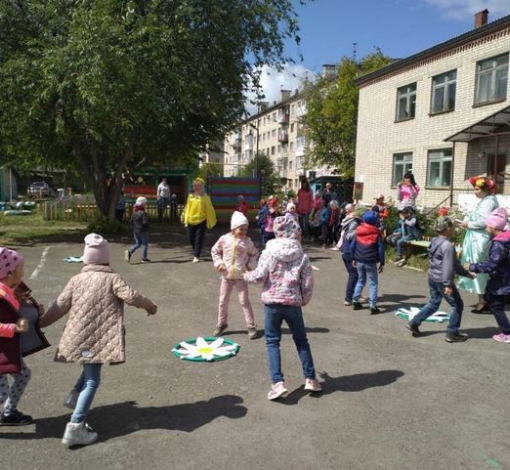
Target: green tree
262, 165
332, 109
105, 85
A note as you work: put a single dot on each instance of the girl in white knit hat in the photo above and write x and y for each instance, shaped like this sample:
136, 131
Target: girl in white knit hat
94, 332
233, 254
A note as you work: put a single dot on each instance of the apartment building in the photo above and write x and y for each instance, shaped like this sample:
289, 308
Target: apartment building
443, 113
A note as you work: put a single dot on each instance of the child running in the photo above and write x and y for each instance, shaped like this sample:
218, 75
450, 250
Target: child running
443, 265
286, 273
498, 268
140, 225
233, 254
11, 328
94, 332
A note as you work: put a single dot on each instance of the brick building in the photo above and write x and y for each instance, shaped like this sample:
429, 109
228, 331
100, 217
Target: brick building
443, 113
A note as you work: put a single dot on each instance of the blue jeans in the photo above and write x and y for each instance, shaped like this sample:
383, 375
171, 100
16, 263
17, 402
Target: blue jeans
353, 277
367, 270
141, 240
436, 296
87, 385
274, 316
304, 224
196, 235
497, 306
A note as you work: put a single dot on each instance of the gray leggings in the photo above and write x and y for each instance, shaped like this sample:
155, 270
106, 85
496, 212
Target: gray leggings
11, 395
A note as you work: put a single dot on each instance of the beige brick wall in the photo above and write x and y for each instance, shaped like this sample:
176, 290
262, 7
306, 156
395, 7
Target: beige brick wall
380, 137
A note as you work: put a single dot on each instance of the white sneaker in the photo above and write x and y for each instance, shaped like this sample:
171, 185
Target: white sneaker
277, 390
312, 385
71, 399
195, 260
78, 434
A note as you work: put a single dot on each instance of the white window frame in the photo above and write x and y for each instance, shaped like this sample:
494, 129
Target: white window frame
441, 156
406, 102
404, 162
488, 73
445, 83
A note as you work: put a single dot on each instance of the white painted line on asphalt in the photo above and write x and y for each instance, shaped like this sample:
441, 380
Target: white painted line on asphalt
41, 263
315, 268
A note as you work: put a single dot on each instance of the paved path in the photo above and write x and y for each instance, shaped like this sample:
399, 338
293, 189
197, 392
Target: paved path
390, 402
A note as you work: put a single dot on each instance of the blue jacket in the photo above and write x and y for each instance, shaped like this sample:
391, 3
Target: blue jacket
498, 265
367, 245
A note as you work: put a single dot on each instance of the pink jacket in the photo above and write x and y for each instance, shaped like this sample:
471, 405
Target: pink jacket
304, 202
286, 273
237, 254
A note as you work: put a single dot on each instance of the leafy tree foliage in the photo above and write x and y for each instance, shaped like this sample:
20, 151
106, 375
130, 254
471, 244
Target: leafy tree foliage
104, 85
332, 109
262, 166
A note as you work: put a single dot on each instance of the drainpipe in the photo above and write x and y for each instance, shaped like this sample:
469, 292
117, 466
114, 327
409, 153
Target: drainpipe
453, 174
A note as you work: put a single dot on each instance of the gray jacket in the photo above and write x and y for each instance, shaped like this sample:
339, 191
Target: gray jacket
444, 263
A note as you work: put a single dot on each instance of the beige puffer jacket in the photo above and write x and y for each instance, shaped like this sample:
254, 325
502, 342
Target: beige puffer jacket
94, 332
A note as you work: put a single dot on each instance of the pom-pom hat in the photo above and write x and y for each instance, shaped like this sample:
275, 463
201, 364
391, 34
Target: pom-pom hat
97, 250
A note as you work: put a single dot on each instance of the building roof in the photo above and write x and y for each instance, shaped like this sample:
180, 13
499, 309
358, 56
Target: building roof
437, 50
497, 123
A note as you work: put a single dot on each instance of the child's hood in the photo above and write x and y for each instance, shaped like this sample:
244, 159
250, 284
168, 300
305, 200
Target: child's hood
285, 250
503, 237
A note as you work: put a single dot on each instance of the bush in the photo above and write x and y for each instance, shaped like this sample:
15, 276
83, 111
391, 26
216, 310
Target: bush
103, 225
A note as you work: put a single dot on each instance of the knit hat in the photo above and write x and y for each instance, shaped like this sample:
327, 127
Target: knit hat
497, 219
9, 260
237, 220
290, 206
97, 250
286, 227
140, 201
360, 209
442, 223
379, 196
371, 217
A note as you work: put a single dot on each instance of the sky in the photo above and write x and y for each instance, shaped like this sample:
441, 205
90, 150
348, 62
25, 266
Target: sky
400, 28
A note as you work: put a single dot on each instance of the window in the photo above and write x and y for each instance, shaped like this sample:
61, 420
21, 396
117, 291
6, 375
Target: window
443, 92
402, 163
491, 79
406, 102
272, 150
440, 168
292, 127
273, 133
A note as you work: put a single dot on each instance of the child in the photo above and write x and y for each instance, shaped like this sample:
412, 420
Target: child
290, 211
367, 251
120, 208
329, 223
241, 205
443, 265
140, 225
11, 327
315, 219
94, 332
272, 214
498, 267
410, 231
174, 208
288, 284
261, 218
233, 254
394, 237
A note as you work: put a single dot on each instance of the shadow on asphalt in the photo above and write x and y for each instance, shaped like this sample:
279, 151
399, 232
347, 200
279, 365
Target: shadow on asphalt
121, 419
347, 383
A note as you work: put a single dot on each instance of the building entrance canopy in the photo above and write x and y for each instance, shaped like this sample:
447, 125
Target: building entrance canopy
495, 124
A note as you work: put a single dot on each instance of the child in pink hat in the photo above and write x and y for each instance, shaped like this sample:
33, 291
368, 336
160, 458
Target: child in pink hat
498, 268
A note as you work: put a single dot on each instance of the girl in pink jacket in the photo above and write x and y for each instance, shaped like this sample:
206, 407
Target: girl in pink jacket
233, 254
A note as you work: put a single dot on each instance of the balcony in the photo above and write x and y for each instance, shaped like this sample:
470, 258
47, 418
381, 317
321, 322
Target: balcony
283, 136
237, 146
283, 118
237, 136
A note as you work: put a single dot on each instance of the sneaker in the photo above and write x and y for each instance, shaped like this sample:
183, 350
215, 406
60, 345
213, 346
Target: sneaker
456, 337
401, 263
78, 434
502, 338
195, 260
71, 399
334, 248
277, 390
374, 310
127, 256
146, 260
313, 385
413, 328
397, 259
356, 306
347, 303
253, 333
220, 329
362, 300
16, 418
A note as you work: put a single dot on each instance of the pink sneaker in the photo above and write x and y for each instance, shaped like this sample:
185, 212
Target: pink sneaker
502, 338
277, 390
313, 385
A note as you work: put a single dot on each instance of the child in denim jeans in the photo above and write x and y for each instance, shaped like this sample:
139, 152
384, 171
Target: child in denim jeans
410, 231
443, 265
286, 273
367, 251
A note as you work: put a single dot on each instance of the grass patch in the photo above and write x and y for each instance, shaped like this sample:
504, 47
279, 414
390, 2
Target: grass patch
419, 261
31, 229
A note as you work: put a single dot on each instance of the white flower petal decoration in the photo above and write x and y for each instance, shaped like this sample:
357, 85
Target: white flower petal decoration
206, 349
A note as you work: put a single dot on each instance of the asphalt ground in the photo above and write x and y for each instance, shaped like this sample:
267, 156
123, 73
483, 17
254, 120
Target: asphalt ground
390, 401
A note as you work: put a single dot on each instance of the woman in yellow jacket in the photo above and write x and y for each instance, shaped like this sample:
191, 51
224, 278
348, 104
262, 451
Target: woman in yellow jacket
197, 216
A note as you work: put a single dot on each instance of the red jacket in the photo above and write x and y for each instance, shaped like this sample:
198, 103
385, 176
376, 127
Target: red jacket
10, 348
304, 202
